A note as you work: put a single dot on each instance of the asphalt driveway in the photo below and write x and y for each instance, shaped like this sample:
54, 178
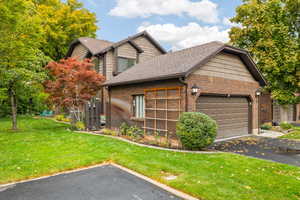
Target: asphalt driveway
101, 183
278, 150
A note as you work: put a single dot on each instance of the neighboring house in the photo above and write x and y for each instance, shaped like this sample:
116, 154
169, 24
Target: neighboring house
270, 111
111, 59
214, 78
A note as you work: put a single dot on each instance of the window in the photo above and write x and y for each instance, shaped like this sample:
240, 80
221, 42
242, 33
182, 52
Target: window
124, 63
96, 63
138, 106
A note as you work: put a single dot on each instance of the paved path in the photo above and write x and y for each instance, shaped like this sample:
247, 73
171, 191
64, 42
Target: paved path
101, 183
278, 150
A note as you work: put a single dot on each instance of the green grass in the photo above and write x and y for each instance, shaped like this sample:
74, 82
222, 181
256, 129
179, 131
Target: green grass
44, 147
294, 135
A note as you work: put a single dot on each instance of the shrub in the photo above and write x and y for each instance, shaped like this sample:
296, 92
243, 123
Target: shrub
107, 131
124, 129
266, 126
59, 117
196, 130
80, 126
135, 132
132, 131
66, 119
285, 125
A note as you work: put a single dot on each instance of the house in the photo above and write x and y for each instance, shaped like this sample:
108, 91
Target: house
111, 59
214, 78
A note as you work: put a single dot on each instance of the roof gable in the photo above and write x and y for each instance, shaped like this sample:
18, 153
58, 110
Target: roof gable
228, 66
96, 46
130, 40
93, 45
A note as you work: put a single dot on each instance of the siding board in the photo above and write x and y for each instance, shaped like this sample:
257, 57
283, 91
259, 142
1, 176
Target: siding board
226, 66
110, 62
149, 49
79, 51
127, 51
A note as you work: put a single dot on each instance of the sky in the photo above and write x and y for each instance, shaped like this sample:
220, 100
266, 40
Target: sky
176, 24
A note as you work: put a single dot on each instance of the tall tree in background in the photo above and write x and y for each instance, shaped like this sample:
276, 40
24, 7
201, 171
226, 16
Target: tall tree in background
20, 58
270, 31
63, 21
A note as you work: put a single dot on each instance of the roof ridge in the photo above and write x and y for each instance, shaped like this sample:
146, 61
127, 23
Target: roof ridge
199, 45
96, 39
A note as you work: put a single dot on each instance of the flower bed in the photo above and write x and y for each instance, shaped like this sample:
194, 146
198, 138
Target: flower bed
153, 140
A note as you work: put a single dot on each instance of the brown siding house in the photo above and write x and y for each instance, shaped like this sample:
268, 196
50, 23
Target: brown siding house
214, 78
111, 59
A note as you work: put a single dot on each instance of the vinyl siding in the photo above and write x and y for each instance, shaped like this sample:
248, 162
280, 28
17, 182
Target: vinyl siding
100, 64
79, 51
149, 49
110, 63
226, 66
127, 51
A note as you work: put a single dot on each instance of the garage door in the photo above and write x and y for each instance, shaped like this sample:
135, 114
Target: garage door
230, 113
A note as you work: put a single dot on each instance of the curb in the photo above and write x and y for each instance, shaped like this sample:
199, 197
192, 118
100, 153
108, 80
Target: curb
149, 146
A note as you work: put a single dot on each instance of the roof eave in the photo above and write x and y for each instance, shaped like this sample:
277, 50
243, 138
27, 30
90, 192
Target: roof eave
146, 80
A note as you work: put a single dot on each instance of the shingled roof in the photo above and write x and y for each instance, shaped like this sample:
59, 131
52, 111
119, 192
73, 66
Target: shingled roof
181, 64
96, 46
93, 45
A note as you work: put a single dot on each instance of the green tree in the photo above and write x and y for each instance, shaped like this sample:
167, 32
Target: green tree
21, 60
270, 31
62, 23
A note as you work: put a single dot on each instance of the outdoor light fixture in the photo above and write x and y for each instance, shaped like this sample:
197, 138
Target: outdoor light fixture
258, 92
195, 89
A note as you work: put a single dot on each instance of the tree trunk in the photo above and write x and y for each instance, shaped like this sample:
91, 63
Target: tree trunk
13, 103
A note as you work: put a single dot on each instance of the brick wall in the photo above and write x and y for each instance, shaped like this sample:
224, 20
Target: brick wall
122, 96
220, 85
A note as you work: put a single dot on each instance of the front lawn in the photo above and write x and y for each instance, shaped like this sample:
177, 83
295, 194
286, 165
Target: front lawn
44, 147
294, 135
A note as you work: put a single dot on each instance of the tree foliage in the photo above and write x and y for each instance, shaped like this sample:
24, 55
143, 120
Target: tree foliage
270, 31
32, 32
73, 83
63, 21
21, 60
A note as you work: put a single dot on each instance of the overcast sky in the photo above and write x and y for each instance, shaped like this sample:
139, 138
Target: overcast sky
176, 24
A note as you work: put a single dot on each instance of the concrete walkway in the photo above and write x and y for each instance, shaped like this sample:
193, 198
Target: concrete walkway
270, 134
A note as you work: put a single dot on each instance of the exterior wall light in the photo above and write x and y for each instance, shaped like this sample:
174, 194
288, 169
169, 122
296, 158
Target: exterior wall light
258, 92
195, 89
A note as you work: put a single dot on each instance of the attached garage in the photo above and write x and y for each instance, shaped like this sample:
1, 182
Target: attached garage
231, 114
214, 78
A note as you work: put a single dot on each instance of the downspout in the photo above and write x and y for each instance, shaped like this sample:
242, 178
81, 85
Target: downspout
109, 107
259, 112
181, 79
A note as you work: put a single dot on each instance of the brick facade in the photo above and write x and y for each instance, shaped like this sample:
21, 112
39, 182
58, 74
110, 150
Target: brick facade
123, 95
217, 85
120, 109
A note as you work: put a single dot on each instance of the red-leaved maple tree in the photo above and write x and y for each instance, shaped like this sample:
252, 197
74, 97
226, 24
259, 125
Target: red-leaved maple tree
73, 82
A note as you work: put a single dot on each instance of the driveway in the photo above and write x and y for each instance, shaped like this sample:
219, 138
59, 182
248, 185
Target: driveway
106, 182
278, 150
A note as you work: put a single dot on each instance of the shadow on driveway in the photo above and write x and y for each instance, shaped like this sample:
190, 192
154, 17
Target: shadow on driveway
278, 150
